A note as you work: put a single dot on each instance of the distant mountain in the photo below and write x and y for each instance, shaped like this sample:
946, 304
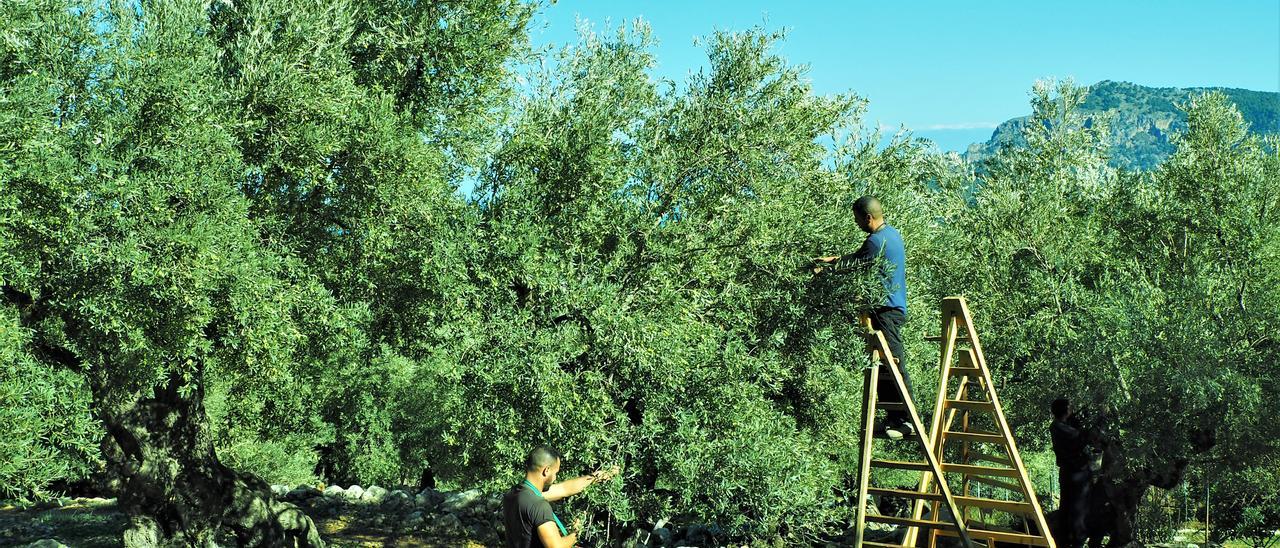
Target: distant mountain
1142, 119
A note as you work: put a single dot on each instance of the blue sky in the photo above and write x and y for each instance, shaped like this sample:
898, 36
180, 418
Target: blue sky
951, 70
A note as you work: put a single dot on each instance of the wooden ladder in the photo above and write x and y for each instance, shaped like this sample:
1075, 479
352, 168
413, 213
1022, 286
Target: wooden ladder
987, 457
883, 363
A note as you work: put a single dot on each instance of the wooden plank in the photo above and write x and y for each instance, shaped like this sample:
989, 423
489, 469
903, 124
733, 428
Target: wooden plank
903, 494
891, 406
947, 336
997, 483
934, 467
979, 470
895, 520
979, 360
983, 437
939, 338
1002, 536
883, 545
1010, 506
869, 379
972, 372
970, 405
901, 465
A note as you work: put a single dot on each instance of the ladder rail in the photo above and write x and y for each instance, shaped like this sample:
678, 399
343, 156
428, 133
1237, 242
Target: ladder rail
957, 325
882, 356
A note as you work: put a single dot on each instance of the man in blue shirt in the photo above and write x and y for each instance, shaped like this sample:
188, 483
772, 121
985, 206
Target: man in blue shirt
883, 250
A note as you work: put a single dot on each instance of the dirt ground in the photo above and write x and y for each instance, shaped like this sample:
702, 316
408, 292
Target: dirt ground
96, 523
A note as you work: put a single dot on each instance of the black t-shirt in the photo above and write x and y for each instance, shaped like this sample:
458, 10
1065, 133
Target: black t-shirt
1069, 445
523, 511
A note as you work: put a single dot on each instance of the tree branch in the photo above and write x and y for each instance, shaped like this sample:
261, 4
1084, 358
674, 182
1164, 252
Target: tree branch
31, 313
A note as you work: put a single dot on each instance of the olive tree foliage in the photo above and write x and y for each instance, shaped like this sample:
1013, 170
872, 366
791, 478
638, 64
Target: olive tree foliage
1148, 299
130, 258
355, 121
645, 294
239, 201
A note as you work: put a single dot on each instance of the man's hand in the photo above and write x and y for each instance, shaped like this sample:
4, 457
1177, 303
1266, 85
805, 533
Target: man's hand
576, 485
606, 474
825, 260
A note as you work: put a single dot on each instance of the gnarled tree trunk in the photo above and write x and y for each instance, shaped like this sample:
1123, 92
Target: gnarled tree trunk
173, 487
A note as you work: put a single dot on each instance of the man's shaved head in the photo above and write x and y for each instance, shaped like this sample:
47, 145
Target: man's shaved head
868, 214
541, 457
868, 205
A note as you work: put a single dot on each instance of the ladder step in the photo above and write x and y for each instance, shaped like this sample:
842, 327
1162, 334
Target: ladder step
972, 372
894, 520
901, 465
993, 504
971, 405
903, 494
983, 437
883, 545
979, 470
1000, 536
938, 338
891, 405
997, 483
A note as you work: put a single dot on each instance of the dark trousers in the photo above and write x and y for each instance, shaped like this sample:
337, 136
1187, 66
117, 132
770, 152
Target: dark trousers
889, 321
1074, 506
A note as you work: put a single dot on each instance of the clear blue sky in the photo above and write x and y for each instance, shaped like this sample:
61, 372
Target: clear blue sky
951, 70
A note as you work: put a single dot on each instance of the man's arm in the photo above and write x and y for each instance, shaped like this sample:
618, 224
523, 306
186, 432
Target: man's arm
550, 536
576, 485
867, 252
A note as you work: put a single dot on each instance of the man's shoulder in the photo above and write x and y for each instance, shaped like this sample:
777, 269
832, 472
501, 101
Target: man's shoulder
526, 498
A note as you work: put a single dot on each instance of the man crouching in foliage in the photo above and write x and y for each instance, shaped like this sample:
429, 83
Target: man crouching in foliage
526, 508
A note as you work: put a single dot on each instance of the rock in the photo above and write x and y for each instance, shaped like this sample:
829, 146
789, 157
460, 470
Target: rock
413, 520
374, 494
429, 498
47, 543
460, 500
302, 492
332, 491
662, 536
493, 503
696, 534
447, 523
397, 500
354, 492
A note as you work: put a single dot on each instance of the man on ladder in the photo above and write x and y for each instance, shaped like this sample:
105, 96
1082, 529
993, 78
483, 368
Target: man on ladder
883, 249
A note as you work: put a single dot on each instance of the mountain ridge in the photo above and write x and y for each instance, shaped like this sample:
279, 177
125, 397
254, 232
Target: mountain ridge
1143, 119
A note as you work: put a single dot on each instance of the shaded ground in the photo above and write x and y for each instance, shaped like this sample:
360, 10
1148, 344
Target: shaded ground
96, 523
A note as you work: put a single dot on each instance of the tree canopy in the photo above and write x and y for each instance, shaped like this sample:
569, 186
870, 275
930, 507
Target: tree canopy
232, 246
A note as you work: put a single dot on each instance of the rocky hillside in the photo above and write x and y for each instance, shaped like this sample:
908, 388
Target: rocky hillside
1142, 120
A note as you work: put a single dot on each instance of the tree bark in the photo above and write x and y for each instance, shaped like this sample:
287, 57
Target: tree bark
173, 487
1123, 488
171, 484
